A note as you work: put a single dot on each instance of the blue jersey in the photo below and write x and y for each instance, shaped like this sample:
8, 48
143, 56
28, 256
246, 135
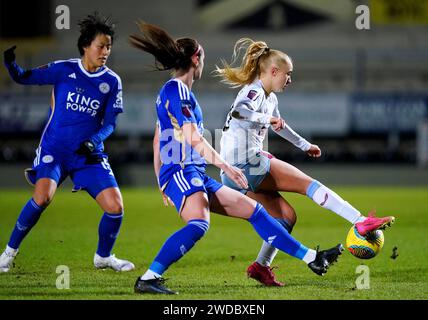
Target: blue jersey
177, 105
82, 103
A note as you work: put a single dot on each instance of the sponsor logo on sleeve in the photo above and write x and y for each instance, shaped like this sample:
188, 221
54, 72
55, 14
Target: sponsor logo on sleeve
185, 109
252, 94
119, 101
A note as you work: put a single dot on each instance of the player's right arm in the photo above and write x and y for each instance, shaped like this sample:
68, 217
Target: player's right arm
180, 106
41, 75
201, 145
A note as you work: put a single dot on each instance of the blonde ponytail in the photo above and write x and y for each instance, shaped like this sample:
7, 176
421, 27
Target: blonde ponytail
255, 53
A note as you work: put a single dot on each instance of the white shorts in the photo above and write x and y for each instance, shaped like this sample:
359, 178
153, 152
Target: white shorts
256, 170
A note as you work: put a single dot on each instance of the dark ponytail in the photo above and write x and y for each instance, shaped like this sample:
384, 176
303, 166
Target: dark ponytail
169, 54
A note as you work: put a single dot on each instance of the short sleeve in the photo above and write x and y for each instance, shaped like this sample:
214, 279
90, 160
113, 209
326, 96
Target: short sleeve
179, 103
115, 100
249, 97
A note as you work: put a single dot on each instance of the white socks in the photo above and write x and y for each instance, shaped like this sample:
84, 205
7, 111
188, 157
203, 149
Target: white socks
328, 199
266, 255
310, 256
149, 275
10, 251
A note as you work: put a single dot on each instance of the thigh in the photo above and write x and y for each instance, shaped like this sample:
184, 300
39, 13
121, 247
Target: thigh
196, 206
275, 204
285, 177
232, 203
110, 200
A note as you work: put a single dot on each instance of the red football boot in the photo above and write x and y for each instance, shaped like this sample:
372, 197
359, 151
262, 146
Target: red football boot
373, 223
263, 274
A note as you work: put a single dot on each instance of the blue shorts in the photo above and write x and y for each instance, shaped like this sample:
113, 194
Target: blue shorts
93, 178
187, 182
255, 170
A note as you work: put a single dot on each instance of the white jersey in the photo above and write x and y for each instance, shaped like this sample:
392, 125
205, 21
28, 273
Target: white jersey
248, 122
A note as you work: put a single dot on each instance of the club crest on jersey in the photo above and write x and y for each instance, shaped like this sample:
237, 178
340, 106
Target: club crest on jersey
185, 109
104, 87
196, 182
252, 94
47, 159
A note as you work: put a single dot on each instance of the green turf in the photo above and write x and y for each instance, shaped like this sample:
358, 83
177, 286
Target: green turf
215, 268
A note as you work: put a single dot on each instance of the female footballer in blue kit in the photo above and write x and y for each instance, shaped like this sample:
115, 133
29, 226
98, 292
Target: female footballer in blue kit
180, 158
86, 99
262, 73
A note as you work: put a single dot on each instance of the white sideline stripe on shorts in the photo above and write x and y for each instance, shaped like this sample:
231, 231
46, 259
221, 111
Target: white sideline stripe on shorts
37, 158
183, 184
184, 179
178, 183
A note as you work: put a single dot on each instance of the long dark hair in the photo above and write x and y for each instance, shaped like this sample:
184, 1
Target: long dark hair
91, 26
168, 53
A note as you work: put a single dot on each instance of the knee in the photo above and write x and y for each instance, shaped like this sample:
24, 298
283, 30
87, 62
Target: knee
43, 200
291, 217
114, 207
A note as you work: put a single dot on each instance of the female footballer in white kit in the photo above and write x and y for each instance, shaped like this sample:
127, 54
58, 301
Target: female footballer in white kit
262, 73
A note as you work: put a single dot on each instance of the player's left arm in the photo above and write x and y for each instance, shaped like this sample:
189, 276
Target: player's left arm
285, 131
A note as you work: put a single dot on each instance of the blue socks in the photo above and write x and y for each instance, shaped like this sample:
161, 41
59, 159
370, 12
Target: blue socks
108, 230
29, 216
275, 234
178, 244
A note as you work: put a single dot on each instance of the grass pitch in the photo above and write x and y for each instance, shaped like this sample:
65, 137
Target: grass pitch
215, 268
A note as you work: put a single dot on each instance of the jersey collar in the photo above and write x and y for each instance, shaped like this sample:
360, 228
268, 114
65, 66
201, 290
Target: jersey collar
92, 75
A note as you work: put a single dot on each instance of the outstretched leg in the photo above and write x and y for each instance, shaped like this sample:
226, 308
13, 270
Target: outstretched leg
285, 177
233, 203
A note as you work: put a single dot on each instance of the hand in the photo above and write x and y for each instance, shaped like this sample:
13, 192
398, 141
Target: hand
94, 158
86, 148
314, 151
166, 200
237, 176
9, 55
277, 124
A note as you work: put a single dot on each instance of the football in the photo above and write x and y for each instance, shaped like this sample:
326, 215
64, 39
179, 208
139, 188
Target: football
364, 247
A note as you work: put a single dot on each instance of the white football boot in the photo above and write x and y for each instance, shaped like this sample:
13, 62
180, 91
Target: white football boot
113, 263
6, 259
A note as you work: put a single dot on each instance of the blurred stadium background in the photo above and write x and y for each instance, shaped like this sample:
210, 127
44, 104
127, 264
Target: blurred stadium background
361, 95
